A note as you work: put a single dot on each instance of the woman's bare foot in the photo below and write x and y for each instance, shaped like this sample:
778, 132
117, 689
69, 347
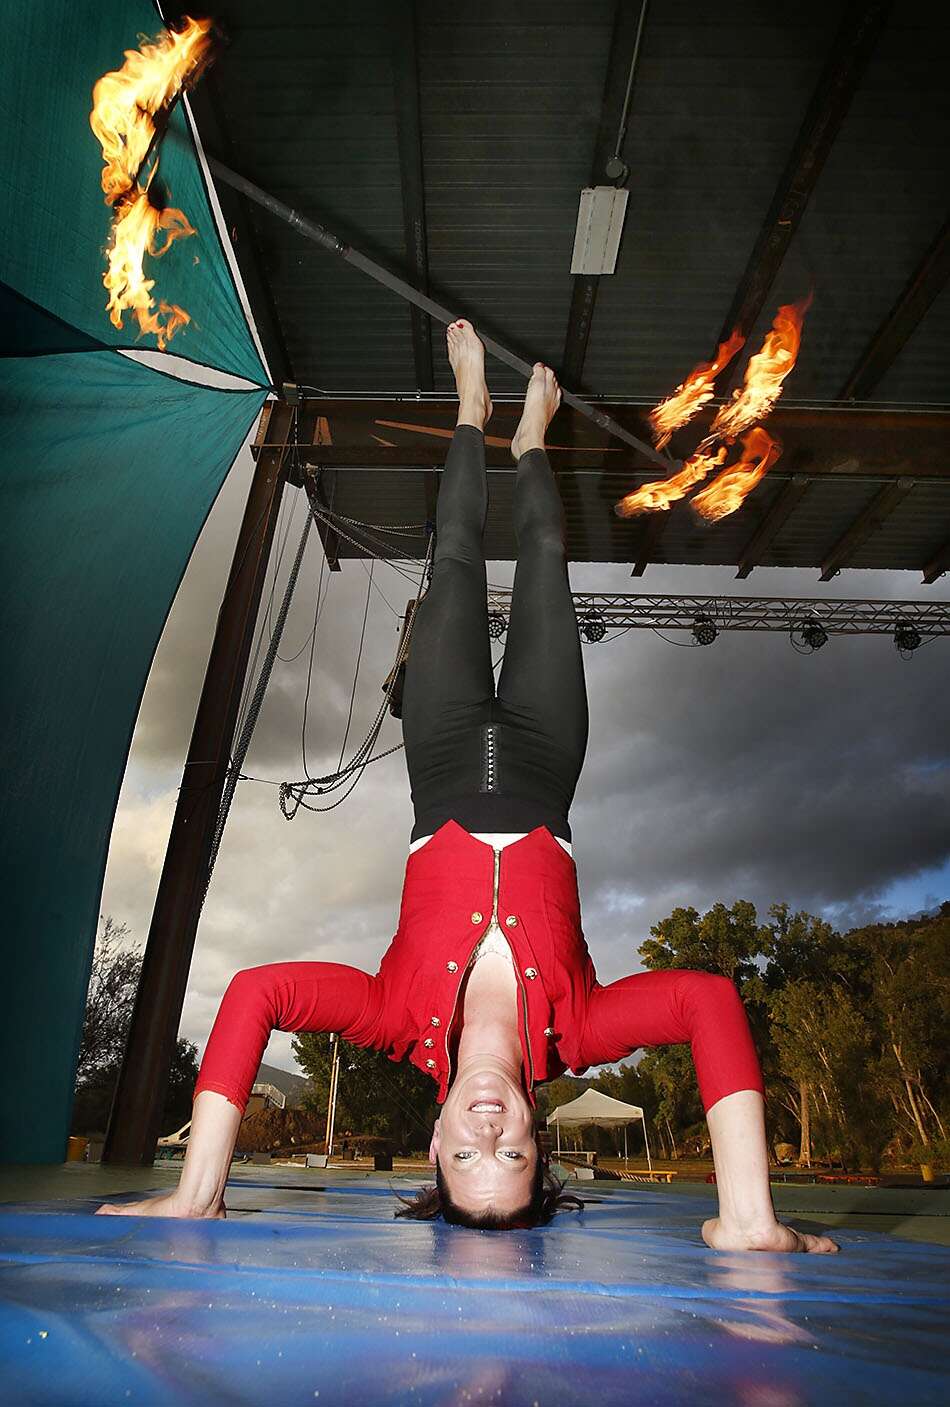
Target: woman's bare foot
170, 1204
467, 360
769, 1238
542, 399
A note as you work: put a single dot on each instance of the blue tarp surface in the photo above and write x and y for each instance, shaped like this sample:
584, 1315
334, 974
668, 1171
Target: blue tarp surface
309, 1294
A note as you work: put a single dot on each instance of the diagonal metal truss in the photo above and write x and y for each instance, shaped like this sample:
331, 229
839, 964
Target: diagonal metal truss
837, 617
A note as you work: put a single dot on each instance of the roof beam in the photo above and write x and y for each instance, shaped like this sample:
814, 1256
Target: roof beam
853, 45
405, 71
870, 521
645, 550
938, 564
767, 531
625, 42
205, 103
927, 280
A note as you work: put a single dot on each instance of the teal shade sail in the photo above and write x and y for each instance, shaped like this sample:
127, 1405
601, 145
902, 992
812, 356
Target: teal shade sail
107, 471
54, 223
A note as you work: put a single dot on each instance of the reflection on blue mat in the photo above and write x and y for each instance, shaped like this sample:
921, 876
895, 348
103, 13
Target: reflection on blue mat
309, 1295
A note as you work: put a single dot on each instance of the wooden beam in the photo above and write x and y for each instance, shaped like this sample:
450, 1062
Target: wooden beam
767, 531
645, 549
207, 108
623, 45
927, 280
134, 1124
938, 564
405, 72
870, 521
844, 68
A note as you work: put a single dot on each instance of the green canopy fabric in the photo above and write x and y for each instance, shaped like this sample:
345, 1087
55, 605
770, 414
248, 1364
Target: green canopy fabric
55, 220
108, 469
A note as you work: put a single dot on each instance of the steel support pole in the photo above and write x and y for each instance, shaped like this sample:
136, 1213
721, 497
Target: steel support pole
140, 1093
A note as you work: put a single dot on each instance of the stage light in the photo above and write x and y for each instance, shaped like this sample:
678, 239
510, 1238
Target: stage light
497, 625
704, 630
814, 634
593, 627
907, 638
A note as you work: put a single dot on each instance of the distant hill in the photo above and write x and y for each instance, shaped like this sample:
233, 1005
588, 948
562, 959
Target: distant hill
292, 1086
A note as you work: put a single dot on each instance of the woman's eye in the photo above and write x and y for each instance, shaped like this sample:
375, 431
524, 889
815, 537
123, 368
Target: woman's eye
511, 1154
464, 1157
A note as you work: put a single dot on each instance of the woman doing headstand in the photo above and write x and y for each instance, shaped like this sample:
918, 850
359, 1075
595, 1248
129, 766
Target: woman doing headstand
488, 985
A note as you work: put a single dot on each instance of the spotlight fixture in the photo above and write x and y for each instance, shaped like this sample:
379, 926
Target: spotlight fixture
497, 625
593, 627
704, 630
813, 634
907, 638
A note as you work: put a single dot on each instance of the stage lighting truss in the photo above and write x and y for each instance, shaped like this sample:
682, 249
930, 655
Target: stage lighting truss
808, 623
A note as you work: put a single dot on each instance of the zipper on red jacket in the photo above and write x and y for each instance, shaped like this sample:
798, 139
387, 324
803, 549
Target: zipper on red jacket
493, 921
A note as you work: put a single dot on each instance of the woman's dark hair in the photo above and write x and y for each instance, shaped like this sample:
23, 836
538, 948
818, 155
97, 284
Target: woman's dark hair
547, 1198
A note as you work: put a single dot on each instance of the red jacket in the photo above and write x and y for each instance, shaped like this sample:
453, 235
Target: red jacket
566, 1018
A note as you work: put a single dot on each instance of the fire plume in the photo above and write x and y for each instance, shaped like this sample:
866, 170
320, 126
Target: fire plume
693, 393
729, 490
767, 370
662, 493
129, 108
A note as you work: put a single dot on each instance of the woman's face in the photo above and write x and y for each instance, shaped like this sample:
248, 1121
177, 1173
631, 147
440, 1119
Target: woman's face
484, 1141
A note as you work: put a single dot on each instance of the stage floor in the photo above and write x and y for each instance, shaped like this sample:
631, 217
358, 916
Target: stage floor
312, 1292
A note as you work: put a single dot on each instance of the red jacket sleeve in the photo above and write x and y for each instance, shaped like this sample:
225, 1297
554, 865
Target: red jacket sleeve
666, 1008
285, 996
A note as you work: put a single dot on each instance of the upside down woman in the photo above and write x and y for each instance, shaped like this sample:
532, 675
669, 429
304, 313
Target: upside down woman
488, 985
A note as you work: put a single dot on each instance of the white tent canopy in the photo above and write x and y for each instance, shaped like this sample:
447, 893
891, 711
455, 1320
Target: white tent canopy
592, 1107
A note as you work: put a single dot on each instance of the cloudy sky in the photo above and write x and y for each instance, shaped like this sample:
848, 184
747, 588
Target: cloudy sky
743, 770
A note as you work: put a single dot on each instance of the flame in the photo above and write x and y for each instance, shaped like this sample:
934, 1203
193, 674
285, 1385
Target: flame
661, 493
128, 107
693, 393
729, 490
765, 373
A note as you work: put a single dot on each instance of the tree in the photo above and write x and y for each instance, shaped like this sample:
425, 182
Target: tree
113, 982
375, 1095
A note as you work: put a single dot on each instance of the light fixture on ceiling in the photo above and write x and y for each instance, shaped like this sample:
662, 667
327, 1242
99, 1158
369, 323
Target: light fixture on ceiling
600, 218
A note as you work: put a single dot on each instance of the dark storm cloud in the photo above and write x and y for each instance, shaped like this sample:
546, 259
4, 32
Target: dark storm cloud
742, 770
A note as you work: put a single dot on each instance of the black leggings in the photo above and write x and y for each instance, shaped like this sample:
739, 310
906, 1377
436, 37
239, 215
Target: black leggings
505, 759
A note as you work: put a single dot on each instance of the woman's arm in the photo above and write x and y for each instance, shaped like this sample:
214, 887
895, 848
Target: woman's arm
666, 1008
304, 996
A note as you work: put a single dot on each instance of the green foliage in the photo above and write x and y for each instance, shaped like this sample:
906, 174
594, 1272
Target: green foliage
375, 1095
113, 982
851, 1028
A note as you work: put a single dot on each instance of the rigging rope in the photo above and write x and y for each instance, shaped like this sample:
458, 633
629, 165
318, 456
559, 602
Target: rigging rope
294, 795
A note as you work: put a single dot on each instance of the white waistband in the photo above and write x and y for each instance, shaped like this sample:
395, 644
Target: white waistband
497, 839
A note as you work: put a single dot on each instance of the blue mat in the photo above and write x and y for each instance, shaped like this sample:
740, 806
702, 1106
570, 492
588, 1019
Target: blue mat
318, 1295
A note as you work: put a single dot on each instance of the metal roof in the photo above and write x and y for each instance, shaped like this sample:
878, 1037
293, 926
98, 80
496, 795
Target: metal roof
770, 149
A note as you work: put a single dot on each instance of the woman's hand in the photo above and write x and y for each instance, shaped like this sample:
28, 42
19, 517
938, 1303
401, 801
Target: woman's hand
769, 1237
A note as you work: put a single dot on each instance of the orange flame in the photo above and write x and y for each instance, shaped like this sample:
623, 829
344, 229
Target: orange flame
693, 393
126, 104
729, 490
765, 373
661, 493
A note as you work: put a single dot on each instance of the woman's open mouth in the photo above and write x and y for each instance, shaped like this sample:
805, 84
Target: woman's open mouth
486, 1106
